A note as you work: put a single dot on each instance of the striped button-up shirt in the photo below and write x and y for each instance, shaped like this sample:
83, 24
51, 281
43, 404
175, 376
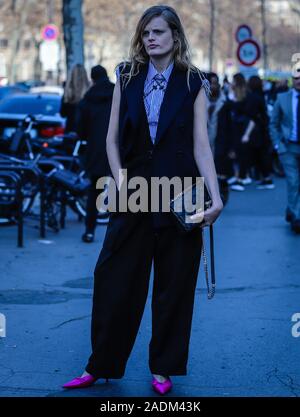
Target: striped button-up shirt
154, 91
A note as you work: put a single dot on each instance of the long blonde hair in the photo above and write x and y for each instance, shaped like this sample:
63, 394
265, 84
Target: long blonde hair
181, 53
76, 85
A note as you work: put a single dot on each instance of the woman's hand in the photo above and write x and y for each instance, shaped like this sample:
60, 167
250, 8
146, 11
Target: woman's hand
210, 215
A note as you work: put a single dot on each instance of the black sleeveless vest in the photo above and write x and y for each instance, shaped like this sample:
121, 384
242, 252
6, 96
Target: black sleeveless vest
172, 153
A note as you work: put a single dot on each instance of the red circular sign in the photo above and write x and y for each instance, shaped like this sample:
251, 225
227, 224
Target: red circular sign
242, 33
248, 52
50, 32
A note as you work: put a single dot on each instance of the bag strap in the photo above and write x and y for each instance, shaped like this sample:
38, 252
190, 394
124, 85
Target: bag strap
210, 291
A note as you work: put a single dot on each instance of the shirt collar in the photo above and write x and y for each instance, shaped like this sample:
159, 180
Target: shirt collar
152, 71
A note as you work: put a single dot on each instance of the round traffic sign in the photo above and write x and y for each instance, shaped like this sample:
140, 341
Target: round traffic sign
242, 33
50, 32
248, 52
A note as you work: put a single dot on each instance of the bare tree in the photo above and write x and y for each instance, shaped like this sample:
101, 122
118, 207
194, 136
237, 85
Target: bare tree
73, 32
264, 31
110, 25
212, 8
20, 19
295, 6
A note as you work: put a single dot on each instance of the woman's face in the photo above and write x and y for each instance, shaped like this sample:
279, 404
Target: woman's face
158, 38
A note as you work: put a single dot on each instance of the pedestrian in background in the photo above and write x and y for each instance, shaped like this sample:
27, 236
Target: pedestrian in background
246, 114
219, 132
241, 129
259, 149
92, 124
226, 86
76, 86
282, 86
285, 134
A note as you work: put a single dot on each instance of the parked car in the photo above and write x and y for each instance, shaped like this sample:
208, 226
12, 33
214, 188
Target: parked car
45, 107
47, 89
9, 90
29, 84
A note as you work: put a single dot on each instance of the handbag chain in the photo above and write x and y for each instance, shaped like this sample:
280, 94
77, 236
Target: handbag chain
210, 291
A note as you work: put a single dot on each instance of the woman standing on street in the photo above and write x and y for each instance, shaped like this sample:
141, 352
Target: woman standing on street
157, 128
76, 86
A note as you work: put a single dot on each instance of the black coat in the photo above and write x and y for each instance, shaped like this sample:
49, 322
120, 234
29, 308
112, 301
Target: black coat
253, 107
223, 140
68, 110
172, 154
92, 125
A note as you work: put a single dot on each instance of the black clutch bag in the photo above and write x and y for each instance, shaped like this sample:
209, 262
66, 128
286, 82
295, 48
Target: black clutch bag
180, 206
185, 224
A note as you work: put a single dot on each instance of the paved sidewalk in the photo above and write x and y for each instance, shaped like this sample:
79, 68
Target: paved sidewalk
241, 342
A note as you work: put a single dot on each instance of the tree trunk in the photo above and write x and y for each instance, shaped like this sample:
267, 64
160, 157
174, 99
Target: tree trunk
264, 30
73, 32
37, 66
212, 10
20, 22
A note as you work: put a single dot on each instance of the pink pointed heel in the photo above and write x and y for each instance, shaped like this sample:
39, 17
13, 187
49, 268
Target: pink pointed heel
81, 382
162, 387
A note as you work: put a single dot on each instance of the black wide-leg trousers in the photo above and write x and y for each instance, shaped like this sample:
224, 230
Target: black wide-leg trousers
121, 282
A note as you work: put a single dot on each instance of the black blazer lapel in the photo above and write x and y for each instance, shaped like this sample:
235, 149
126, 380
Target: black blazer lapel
134, 94
175, 93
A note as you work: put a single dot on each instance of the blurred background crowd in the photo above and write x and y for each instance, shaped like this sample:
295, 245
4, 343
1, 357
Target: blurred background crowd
57, 61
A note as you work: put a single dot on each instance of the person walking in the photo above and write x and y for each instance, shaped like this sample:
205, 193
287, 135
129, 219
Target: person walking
245, 108
219, 133
92, 125
285, 134
75, 87
259, 142
157, 128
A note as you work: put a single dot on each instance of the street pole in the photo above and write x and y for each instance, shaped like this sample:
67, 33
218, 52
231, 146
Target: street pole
50, 11
264, 31
73, 27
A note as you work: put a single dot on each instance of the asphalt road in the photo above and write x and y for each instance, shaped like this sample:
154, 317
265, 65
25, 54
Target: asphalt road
241, 342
